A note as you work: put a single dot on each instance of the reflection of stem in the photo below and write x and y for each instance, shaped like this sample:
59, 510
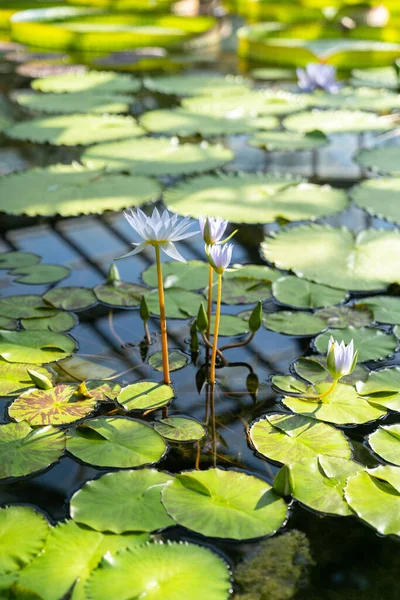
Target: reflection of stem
112, 329
209, 345
216, 330
147, 333
197, 465
213, 425
163, 320
244, 343
165, 412
209, 300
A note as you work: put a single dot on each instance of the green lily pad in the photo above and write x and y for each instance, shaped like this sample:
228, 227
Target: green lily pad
182, 570
180, 429
185, 123
56, 406
294, 323
121, 294
375, 496
70, 190
9, 324
191, 276
385, 442
102, 391
25, 306
300, 293
360, 98
380, 77
145, 395
273, 74
137, 494
382, 159
14, 377
382, 388
26, 450
157, 157
98, 82
230, 325
35, 346
290, 384
62, 321
197, 84
244, 290
255, 272
314, 369
324, 254
379, 197
224, 504
40, 274
341, 317
288, 141
337, 121
177, 360
23, 534
372, 344
179, 303
343, 406
118, 442
76, 102
318, 483
70, 554
385, 309
75, 129
17, 259
290, 438
254, 198
70, 298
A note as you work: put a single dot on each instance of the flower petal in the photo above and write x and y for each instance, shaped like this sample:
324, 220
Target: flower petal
171, 251
139, 248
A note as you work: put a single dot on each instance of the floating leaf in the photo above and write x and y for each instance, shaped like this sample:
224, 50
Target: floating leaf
318, 483
76, 102
341, 317
371, 344
244, 290
102, 391
118, 442
337, 121
120, 294
382, 388
386, 309
288, 141
289, 384
71, 190
57, 406
180, 429
40, 274
26, 450
14, 377
8, 324
137, 494
379, 197
70, 554
182, 570
75, 129
99, 82
62, 321
185, 123
145, 395
294, 323
361, 98
25, 306
179, 303
382, 159
35, 346
273, 74
177, 360
385, 442
70, 298
191, 276
255, 272
289, 438
157, 157
343, 406
325, 254
197, 84
375, 496
230, 325
23, 534
17, 259
224, 504
314, 369
300, 293
381, 77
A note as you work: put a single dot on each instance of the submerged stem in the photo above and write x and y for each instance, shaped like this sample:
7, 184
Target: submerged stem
163, 320
216, 330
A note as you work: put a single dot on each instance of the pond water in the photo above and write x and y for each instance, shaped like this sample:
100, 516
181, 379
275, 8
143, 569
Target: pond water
351, 560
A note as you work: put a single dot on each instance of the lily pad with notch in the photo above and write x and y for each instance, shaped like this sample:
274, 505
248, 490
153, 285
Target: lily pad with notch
37, 347
385, 309
179, 303
244, 290
17, 259
60, 322
382, 388
70, 298
121, 294
385, 442
379, 197
176, 358
314, 369
230, 325
371, 343
40, 274
15, 379
9, 324
145, 396
300, 293
382, 159
180, 429
294, 323
25, 307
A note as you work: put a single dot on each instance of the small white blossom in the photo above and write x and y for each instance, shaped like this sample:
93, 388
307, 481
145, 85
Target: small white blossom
318, 76
159, 230
220, 257
341, 358
212, 229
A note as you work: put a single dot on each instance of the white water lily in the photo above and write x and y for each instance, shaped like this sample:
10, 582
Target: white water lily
341, 358
159, 230
212, 229
220, 257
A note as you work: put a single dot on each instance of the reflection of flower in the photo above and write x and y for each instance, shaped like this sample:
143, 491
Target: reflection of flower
159, 230
318, 76
212, 229
341, 358
220, 257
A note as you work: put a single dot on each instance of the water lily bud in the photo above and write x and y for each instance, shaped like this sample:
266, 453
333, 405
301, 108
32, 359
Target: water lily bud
256, 318
202, 319
41, 381
341, 359
83, 391
113, 276
252, 384
194, 340
144, 310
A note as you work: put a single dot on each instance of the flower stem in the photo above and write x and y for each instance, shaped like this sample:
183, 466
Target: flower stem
334, 384
216, 330
163, 320
209, 299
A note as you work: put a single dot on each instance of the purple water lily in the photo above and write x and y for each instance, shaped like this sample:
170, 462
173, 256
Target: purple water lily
318, 76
